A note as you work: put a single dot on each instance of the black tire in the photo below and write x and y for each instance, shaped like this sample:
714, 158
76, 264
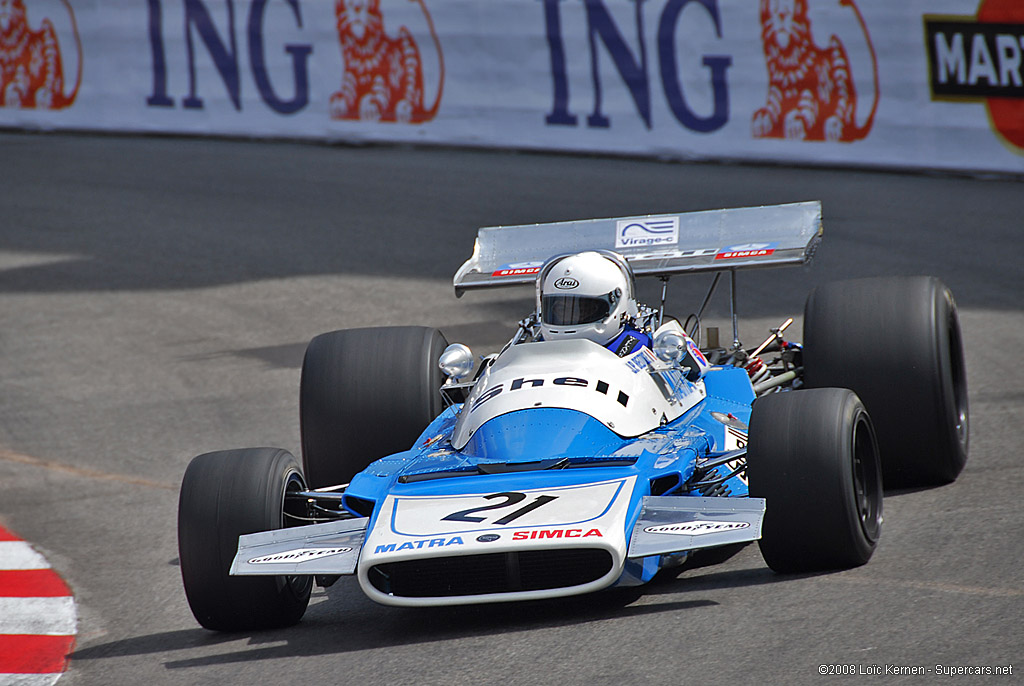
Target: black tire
224, 495
896, 342
813, 457
366, 394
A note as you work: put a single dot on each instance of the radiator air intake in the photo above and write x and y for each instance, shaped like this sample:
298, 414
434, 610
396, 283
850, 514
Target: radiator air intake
511, 572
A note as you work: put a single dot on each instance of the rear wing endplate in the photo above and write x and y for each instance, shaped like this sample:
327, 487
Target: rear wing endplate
654, 245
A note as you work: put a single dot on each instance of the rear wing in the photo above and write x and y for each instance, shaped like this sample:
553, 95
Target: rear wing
654, 245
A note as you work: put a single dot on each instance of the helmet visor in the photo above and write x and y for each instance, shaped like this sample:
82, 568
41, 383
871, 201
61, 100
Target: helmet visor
572, 310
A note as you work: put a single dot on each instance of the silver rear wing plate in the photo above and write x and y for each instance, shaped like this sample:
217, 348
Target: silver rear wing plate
654, 245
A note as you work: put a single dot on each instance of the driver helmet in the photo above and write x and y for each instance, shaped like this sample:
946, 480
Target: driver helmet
586, 295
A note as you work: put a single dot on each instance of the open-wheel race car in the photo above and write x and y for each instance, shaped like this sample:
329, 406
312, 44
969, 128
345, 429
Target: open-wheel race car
602, 444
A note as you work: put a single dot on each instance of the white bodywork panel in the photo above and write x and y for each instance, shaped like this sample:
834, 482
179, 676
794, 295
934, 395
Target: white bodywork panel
585, 516
630, 395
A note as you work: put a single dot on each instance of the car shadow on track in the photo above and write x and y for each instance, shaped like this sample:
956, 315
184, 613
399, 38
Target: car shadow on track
357, 624
482, 336
342, 620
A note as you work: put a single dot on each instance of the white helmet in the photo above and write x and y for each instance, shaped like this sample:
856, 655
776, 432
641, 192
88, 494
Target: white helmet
586, 295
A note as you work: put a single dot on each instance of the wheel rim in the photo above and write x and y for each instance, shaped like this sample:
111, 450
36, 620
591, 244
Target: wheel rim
956, 360
867, 489
293, 514
293, 511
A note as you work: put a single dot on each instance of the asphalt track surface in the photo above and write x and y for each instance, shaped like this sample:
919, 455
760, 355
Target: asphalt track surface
156, 297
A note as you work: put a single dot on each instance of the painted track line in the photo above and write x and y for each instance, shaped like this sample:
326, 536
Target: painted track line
20, 458
38, 618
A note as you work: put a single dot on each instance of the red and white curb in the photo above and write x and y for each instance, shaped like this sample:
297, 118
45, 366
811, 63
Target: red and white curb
37, 616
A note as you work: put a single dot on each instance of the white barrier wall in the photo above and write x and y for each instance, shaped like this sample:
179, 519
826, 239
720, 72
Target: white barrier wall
915, 83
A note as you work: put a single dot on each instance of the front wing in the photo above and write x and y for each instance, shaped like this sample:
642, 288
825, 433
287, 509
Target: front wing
458, 549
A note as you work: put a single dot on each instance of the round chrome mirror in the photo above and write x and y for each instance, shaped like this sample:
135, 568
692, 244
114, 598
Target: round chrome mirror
670, 346
456, 361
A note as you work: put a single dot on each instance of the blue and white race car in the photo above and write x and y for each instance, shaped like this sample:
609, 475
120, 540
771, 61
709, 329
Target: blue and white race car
572, 461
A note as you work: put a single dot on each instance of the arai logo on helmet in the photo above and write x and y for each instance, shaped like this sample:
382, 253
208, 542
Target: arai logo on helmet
566, 282
696, 528
642, 233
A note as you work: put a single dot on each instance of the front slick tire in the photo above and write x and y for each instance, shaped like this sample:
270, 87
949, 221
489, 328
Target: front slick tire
813, 457
224, 495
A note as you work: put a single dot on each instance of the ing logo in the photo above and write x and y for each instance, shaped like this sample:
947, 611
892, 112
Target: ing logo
31, 68
383, 77
811, 91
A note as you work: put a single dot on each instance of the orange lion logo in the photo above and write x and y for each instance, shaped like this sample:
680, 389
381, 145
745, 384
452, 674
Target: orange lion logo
383, 79
811, 92
31, 72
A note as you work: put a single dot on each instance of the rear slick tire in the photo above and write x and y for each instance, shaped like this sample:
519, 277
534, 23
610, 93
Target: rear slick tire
896, 343
813, 457
366, 394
